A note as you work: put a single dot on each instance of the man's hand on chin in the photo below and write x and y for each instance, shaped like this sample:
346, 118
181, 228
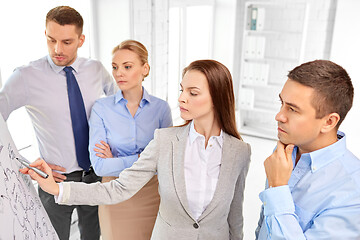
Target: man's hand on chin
279, 165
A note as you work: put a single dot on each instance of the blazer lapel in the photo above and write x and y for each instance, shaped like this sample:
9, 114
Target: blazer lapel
178, 152
228, 157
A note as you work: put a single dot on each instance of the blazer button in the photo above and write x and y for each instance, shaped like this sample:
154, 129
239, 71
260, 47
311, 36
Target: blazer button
196, 226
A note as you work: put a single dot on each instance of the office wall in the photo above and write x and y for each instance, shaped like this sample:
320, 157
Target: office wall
318, 33
151, 27
111, 25
345, 51
143, 20
224, 32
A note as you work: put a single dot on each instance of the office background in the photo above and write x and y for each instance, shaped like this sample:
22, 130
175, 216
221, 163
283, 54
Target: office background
177, 32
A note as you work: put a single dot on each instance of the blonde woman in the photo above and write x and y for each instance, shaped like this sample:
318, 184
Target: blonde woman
120, 128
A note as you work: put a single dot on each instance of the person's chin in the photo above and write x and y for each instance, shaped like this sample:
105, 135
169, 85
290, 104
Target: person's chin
283, 139
287, 141
185, 116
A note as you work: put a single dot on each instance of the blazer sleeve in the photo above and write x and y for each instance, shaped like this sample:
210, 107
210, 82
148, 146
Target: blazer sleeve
130, 181
235, 218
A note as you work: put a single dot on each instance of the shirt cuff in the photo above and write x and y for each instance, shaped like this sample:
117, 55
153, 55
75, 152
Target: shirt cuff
277, 200
61, 190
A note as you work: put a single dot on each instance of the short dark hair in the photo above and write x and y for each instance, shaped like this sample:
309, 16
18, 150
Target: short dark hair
64, 15
334, 91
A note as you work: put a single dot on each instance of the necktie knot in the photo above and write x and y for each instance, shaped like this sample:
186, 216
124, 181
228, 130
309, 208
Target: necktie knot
68, 69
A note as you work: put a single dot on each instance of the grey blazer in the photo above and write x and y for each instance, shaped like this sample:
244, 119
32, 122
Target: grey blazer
164, 155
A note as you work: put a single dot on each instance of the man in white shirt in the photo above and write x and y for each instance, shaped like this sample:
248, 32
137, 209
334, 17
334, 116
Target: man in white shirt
42, 88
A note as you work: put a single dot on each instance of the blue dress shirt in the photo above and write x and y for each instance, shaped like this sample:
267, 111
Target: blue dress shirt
321, 200
111, 122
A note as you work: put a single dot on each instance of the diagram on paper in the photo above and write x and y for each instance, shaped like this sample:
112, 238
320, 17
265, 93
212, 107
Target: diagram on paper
22, 215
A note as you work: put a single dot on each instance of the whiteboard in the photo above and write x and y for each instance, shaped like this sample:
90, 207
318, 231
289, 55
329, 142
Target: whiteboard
22, 215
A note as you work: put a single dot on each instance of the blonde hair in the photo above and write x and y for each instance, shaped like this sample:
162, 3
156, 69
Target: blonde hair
135, 47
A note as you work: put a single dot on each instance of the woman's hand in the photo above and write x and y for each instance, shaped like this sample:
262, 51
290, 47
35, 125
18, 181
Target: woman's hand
103, 150
47, 184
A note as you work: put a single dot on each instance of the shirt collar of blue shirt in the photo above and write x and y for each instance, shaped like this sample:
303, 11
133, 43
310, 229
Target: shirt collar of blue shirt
193, 135
58, 69
320, 158
145, 98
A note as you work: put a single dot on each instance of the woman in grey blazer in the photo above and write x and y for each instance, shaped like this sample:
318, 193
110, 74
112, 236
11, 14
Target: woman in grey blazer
201, 166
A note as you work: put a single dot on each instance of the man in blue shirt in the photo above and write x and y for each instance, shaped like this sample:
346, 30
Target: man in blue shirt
313, 180
42, 88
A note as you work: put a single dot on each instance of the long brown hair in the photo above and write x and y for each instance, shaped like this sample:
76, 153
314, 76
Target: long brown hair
221, 91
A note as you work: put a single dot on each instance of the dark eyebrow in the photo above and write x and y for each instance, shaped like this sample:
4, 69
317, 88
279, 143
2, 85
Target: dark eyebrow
64, 40
190, 87
290, 104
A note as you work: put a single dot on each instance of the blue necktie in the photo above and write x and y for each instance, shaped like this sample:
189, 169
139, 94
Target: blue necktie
79, 120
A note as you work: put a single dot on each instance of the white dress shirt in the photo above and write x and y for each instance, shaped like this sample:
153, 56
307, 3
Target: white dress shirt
201, 168
41, 88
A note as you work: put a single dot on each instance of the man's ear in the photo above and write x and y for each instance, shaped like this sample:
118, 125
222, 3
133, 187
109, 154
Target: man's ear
81, 40
330, 122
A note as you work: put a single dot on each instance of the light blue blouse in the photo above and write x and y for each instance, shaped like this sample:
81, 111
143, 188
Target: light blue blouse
111, 122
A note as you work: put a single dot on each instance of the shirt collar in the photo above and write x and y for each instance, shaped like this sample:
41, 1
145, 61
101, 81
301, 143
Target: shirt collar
145, 98
193, 135
58, 69
324, 156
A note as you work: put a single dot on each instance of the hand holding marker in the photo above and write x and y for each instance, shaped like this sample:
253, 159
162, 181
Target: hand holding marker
26, 164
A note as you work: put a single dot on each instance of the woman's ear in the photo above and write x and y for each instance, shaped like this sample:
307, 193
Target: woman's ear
330, 122
146, 69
